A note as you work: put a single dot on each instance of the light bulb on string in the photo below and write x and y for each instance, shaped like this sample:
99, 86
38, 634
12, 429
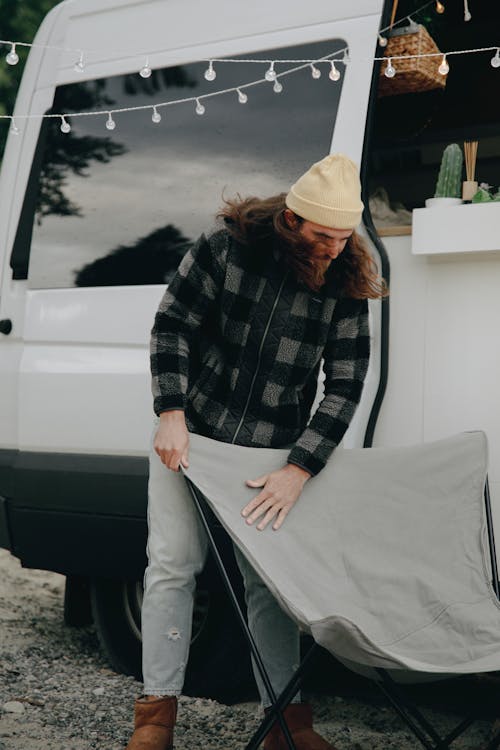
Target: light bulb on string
345, 59
200, 109
334, 74
155, 117
145, 71
495, 61
79, 66
242, 97
270, 74
444, 68
210, 74
382, 40
110, 123
390, 70
277, 87
65, 126
439, 7
12, 58
315, 72
13, 128
467, 13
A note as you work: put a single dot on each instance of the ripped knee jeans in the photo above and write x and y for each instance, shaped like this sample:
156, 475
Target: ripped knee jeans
177, 549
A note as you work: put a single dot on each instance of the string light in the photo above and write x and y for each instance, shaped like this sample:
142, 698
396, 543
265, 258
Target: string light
65, 126
145, 71
210, 74
79, 66
315, 72
270, 74
334, 74
242, 97
12, 57
13, 128
155, 117
149, 52
110, 123
390, 70
444, 68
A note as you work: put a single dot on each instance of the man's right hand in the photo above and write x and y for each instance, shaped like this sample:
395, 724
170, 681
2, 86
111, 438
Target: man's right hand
171, 442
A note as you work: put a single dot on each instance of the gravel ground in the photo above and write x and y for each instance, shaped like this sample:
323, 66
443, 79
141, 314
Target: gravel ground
58, 693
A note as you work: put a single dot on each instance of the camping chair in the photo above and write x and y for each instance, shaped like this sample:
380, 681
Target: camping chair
394, 571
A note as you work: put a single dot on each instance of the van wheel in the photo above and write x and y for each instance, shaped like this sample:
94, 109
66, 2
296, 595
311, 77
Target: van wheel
216, 644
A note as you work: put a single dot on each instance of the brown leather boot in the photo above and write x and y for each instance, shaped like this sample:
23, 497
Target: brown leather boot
298, 716
154, 724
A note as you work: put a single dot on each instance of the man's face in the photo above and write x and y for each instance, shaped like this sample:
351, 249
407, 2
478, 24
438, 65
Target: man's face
326, 243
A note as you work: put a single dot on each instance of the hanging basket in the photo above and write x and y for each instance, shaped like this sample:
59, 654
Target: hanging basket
416, 74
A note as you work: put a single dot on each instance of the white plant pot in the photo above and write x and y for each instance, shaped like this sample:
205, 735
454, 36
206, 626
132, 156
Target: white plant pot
436, 202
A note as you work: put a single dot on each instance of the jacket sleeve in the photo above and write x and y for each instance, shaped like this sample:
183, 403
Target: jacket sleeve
345, 364
188, 298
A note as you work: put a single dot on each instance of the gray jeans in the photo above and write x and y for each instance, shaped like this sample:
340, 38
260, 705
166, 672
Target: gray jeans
177, 548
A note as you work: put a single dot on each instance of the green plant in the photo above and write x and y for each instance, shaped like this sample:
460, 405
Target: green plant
449, 182
485, 194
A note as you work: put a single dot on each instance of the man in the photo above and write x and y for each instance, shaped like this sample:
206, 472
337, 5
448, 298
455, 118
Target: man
236, 347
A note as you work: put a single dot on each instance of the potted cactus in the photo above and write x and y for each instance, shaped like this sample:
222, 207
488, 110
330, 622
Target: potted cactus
449, 182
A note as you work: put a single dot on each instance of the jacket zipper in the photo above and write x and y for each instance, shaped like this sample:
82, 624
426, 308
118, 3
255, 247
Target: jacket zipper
259, 358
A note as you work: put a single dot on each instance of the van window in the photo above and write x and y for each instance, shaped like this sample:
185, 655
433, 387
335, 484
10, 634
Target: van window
411, 129
122, 206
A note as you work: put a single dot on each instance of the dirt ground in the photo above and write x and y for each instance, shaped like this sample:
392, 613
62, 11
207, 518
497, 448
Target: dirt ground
58, 693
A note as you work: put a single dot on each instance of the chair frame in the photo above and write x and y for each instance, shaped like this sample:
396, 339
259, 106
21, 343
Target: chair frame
393, 692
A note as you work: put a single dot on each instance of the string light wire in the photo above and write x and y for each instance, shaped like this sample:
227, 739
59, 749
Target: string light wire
332, 57
270, 74
148, 53
194, 99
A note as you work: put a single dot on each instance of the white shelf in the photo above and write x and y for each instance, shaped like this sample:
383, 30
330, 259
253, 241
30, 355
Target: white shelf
466, 228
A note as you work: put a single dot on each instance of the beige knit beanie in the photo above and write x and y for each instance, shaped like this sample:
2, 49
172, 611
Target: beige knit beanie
329, 193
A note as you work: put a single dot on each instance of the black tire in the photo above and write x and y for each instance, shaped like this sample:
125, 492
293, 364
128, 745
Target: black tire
216, 644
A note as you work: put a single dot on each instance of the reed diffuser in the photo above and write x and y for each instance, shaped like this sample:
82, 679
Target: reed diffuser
469, 187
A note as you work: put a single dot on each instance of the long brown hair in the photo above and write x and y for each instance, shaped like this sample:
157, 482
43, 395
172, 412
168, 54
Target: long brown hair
256, 220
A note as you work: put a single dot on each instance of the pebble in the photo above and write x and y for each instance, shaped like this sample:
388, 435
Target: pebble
74, 701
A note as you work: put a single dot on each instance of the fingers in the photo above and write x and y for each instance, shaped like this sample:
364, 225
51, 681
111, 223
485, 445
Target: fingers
272, 511
173, 459
281, 517
263, 507
255, 503
259, 482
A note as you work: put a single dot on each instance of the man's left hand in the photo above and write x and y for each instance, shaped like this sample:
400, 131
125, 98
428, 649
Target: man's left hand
280, 491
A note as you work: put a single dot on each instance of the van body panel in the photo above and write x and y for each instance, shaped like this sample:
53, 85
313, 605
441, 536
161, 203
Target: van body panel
443, 359
77, 369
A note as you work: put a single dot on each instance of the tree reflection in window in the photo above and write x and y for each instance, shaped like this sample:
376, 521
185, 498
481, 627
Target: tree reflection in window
123, 206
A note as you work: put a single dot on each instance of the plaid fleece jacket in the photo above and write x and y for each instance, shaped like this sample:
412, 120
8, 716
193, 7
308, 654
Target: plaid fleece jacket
237, 343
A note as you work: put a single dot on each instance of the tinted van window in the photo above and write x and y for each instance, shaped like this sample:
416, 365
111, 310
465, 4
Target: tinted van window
122, 206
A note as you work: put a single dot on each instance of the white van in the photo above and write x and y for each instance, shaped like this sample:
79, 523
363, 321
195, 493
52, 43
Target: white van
93, 223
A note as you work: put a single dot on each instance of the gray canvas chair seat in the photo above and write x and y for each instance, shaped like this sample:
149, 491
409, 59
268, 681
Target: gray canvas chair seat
384, 558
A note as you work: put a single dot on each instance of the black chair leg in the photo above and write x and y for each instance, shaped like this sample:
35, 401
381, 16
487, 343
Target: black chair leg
198, 499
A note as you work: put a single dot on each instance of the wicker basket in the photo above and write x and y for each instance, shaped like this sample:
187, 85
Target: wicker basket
414, 74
